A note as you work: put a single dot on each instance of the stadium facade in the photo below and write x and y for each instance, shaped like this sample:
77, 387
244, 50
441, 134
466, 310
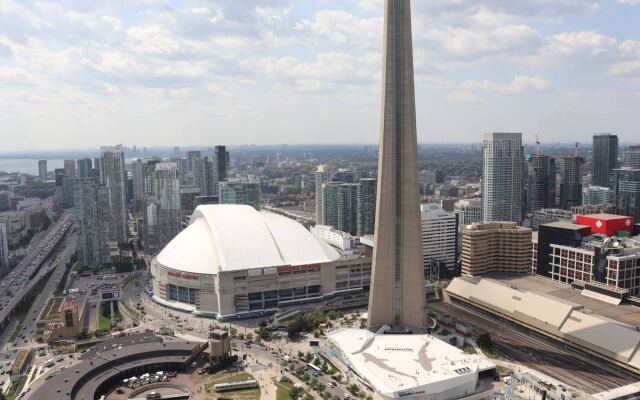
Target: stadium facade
233, 261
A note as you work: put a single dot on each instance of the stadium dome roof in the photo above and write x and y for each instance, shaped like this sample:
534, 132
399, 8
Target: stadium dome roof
230, 237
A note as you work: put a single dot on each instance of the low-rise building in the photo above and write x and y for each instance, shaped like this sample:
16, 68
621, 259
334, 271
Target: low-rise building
62, 317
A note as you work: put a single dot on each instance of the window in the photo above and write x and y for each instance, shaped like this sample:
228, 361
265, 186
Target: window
173, 292
183, 294
255, 296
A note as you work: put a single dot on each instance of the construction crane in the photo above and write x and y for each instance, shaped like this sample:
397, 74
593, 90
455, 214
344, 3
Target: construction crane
539, 153
537, 137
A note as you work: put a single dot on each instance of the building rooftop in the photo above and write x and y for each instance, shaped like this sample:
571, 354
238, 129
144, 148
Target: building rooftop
604, 216
231, 237
539, 301
565, 225
396, 363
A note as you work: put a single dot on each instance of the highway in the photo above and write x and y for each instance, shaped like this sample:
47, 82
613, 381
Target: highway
541, 354
15, 285
58, 264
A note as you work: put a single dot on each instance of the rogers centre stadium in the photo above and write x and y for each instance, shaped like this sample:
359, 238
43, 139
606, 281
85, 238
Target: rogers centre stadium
233, 261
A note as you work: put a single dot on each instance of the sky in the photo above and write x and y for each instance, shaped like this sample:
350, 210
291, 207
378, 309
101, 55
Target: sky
85, 73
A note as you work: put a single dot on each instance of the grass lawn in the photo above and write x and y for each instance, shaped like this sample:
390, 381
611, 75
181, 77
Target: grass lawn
104, 323
284, 389
223, 377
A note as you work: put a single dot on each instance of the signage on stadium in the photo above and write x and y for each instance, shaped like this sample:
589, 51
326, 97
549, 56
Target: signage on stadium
289, 268
410, 393
183, 276
398, 349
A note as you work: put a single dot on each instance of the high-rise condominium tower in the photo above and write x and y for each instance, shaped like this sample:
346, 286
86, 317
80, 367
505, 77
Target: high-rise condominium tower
167, 194
222, 161
84, 167
632, 157
570, 181
42, 169
366, 206
605, 158
502, 177
541, 183
91, 208
397, 294
113, 176
322, 176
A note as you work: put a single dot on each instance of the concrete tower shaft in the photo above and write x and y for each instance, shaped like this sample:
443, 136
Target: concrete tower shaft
397, 296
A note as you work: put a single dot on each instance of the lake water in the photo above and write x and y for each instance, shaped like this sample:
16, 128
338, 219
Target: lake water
27, 166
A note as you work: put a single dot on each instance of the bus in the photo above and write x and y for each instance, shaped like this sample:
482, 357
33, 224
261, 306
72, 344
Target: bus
49, 363
225, 387
314, 368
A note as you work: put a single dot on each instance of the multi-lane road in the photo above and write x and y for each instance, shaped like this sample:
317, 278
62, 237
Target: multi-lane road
20, 280
42, 258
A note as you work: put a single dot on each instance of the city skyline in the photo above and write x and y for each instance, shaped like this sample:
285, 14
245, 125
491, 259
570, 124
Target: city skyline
187, 73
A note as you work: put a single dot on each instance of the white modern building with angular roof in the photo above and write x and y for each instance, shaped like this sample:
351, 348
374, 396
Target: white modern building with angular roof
419, 367
234, 261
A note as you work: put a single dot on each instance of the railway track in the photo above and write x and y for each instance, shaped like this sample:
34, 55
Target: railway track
540, 354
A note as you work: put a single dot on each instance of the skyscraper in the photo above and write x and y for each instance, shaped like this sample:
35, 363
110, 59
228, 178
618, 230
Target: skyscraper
203, 175
322, 176
397, 296
113, 177
632, 157
240, 191
502, 164
626, 183
366, 206
541, 183
142, 173
162, 213
42, 169
91, 208
330, 203
191, 155
570, 181
70, 167
222, 162
605, 158
84, 167
348, 207
4, 250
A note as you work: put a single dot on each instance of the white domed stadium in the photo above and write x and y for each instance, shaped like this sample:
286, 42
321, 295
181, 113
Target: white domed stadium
234, 261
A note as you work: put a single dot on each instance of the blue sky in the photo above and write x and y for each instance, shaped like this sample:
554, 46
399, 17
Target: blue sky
83, 73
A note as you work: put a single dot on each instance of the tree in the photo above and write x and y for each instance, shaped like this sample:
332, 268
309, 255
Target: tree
263, 333
354, 389
307, 396
313, 382
249, 336
485, 342
296, 392
233, 332
306, 376
294, 329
